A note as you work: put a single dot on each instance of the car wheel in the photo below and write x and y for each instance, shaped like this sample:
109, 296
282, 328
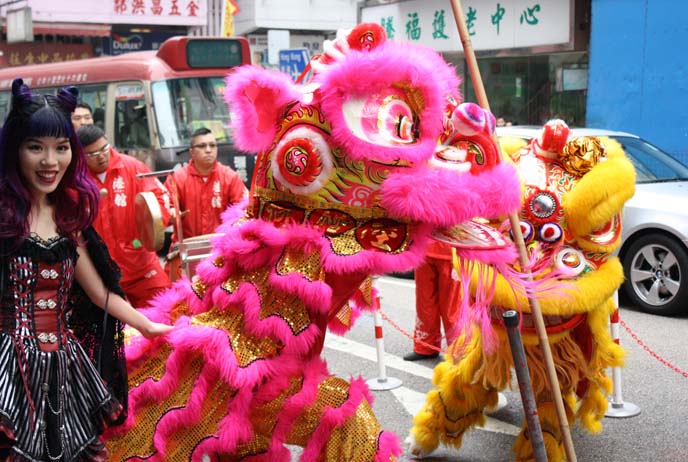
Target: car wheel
656, 271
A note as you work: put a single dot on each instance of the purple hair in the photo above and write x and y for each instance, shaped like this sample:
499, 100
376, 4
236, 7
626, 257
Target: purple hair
76, 197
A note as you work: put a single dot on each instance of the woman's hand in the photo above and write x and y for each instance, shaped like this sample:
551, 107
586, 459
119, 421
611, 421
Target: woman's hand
153, 329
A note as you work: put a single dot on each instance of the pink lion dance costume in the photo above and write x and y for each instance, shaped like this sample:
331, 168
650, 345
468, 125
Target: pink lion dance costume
354, 173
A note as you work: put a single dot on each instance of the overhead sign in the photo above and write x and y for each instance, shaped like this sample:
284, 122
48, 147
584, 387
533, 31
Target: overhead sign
491, 25
293, 61
124, 41
155, 12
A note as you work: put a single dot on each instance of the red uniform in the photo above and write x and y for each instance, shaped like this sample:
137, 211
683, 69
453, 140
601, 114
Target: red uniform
437, 300
205, 197
142, 275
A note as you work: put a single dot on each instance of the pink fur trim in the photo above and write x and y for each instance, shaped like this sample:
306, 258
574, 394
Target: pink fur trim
389, 447
258, 97
447, 198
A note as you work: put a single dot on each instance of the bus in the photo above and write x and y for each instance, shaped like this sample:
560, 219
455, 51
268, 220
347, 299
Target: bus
150, 102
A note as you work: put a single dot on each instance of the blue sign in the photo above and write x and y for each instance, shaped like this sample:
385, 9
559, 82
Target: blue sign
293, 61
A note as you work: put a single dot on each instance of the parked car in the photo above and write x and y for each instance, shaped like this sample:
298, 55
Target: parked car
654, 251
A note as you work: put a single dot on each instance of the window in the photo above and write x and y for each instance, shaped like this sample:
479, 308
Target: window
95, 96
184, 105
131, 119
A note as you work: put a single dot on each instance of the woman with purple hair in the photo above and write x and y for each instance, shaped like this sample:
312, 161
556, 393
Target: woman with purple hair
62, 376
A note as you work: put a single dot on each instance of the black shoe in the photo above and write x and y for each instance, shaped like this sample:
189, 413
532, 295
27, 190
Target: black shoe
413, 356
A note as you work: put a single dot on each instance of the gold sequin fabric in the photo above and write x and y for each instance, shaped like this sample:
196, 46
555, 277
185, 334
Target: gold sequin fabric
140, 442
297, 261
247, 348
357, 438
332, 392
273, 301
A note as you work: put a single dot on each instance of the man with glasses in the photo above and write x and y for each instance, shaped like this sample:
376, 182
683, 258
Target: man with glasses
204, 187
115, 176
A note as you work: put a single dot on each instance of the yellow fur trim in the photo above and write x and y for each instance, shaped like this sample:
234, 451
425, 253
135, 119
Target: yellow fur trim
600, 194
511, 145
584, 294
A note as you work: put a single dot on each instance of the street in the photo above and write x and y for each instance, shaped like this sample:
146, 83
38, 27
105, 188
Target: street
657, 434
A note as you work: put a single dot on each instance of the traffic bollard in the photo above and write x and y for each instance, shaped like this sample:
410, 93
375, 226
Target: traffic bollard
618, 408
382, 382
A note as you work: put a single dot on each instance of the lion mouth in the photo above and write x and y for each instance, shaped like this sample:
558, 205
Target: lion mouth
553, 323
472, 235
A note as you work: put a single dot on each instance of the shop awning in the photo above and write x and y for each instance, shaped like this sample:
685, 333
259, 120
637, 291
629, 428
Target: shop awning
68, 28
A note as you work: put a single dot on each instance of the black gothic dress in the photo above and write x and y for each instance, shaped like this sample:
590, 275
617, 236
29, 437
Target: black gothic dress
54, 402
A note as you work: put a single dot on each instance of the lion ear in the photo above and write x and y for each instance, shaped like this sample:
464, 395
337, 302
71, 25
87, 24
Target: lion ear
258, 98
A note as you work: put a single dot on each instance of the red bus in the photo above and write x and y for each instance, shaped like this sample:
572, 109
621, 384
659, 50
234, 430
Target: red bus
149, 102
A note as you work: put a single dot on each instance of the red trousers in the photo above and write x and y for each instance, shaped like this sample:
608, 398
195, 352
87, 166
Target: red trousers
437, 304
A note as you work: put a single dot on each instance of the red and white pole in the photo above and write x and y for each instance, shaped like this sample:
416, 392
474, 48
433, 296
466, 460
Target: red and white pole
618, 408
382, 382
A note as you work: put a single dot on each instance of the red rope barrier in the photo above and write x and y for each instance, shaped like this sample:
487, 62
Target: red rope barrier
625, 326
406, 334
652, 352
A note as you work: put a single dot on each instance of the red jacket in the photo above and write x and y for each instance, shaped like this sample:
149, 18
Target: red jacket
205, 197
439, 251
116, 220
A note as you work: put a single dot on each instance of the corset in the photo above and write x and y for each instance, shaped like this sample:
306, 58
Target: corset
34, 302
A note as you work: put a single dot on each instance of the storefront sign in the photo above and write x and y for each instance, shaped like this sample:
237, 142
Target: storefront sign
24, 54
159, 12
492, 24
126, 41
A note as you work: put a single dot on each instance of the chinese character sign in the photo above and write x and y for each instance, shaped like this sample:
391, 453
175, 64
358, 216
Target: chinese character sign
162, 12
491, 24
23, 54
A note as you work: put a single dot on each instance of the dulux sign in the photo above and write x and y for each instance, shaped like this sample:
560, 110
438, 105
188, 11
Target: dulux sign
126, 42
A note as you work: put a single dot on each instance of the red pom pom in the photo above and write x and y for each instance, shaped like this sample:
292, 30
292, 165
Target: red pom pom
555, 133
366, 36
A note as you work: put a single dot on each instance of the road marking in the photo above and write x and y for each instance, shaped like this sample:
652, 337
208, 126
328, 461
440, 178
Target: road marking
397, 282
411, 400
343, 344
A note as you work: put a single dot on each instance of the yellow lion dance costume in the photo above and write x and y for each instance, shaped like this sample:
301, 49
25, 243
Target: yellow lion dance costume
573, 197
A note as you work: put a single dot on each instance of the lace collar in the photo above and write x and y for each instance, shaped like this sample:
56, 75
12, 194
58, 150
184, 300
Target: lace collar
47, 243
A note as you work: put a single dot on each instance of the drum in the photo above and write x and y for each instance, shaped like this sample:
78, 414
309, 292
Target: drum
149, 221
185, 256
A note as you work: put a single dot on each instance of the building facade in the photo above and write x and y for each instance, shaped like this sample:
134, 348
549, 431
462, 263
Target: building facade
598, 63
638, 75
532, 55
74, 29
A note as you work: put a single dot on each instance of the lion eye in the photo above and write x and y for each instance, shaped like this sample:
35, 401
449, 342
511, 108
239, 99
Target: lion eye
384, 119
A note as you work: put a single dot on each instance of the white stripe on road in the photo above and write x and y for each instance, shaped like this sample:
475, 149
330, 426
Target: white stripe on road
339, 343
410, 283
411, 400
